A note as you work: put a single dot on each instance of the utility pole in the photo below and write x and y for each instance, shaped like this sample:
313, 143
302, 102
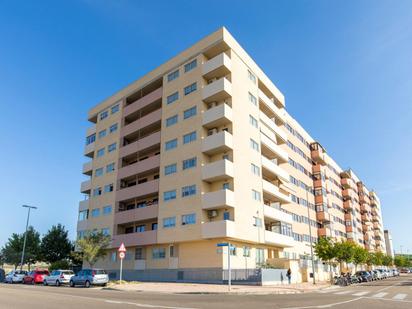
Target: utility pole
25, 234
310, 235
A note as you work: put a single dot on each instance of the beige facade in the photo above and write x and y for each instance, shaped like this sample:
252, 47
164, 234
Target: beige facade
201, 151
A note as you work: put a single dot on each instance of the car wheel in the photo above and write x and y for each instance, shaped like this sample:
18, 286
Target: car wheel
104, 284
57, 283
87, 284
71, 284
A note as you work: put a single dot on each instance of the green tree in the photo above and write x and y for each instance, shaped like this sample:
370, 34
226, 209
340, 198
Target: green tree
55, 245
377, 258
325, 250
402, 261
387, 260
93, 247
360, 256
344, 252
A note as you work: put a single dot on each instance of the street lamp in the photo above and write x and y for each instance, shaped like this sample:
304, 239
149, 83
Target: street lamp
25, 234
310, 234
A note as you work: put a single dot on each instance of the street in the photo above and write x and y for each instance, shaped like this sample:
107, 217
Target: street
390, 293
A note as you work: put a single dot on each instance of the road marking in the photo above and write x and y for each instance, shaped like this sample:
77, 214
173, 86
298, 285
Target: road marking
399, 296
343, 292
379, 295
144, 305
360, 293
327, 305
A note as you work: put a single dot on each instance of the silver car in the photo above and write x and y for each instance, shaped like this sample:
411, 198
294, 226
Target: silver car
58, 277
88, 277
15, 276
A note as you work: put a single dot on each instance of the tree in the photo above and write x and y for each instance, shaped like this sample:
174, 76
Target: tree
360, 255
377, 258
93, 247
325, 250
344, 252
55, 245
387, 260
402, 261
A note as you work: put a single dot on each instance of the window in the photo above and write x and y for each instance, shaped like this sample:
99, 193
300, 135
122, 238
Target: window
189, 219
191, 65
253, 121
173, 97
106, 231
260, 256
173, 75
252, 99
226, 186
158, 253
190, 112
190, 137
251, 76
246, 251
233, 250
108, 188
102, 133
81, 234
97, 191
114, 256
226, 215
115, 109
110, 168
171, 121
169, 195
188, 190
113, 128
104, 115
189, 163
170, 169
171, 144
139, 254
191, 88
107, 210
83, 215
254, 145
90, 139
256, 195
255, 169
140, 228
95, 212
169, 222
98, 172
111, 147
100, 153
257, 222
172, 251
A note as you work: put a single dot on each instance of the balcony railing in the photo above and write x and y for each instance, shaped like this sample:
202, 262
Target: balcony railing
135, 239
274, 149
218, 66
271, 107
219, 142
219, 170
218, 229
275, 169
138, 190
136, 214
86, 186
274, 192
218, 199
217, 90
217, 116
279, 239
277, 214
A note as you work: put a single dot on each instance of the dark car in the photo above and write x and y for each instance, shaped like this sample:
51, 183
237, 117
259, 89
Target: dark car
2, 275
88, 277
364, 275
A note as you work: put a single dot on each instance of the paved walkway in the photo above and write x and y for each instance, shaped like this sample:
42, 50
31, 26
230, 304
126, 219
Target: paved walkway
193, 288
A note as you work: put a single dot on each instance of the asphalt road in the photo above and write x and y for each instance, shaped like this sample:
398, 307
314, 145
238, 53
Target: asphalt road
390, 293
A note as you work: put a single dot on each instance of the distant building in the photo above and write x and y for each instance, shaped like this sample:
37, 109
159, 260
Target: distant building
388, 243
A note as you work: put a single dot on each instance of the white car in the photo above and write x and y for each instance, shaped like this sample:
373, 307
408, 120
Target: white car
58, 277
15, 276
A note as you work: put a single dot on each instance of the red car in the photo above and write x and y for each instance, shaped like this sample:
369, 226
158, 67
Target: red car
36, 276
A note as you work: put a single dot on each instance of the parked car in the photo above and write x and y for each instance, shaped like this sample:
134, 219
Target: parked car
376, 275
364, 275
404, 271
2, 275
383, 273
36, 276
395, 272
88, 277
58, 277
15, 276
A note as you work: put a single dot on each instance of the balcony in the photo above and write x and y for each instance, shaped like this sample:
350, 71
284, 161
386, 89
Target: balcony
139, 145
271, 108
135, 239
323, 217
277, 214
219, 170
218, 66
317, 153
348, 205
281, 134
148, 164
91, 130
273, 149
274, 169
83, 205
218, 229
137, 214
279, 240
86, 186
218, 199
139, 190
219, 142
217, 116
87, 168
142, 102
217, 90
274, 192
141, 123
346, 183
89, 150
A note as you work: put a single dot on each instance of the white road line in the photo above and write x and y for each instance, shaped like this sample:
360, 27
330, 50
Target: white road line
361, 293
399, 296
326, 305
379, 295
343, 292
144, 305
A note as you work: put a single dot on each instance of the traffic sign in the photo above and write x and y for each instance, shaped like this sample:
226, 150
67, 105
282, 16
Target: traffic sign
122, 255
122, 248
222, 244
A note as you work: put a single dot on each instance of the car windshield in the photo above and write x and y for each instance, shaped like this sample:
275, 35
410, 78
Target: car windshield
99, 272
55, 273
68, 272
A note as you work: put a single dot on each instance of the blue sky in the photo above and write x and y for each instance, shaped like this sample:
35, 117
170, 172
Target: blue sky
344, 67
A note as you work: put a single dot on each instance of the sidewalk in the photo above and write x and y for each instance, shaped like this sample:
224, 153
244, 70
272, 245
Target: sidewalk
195, 288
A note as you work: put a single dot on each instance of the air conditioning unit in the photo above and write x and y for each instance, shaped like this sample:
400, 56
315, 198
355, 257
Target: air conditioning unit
212, 131
212, 213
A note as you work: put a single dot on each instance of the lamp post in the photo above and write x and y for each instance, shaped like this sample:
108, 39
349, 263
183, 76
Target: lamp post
310, 235
25, 234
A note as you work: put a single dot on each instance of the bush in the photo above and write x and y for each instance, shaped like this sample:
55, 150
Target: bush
63, 264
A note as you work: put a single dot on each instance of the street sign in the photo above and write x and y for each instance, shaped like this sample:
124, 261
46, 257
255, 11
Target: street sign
222, 244
122, 255
122, 248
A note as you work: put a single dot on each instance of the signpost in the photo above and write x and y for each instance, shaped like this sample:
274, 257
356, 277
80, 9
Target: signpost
229, 247
122, 254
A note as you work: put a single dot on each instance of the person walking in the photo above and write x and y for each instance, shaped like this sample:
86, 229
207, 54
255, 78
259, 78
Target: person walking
289, 275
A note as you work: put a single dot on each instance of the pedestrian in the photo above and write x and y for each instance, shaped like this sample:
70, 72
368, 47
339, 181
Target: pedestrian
281, 278
289, 275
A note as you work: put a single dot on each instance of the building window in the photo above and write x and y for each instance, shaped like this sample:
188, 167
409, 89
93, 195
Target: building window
139, 253
173, 75
169, 195
226, 186
190, 112
108, 188
172, 251
170, 169
191, 65
107, 210
257, 222
171, 120
106, 231
190, 137
83, 215
189, 163
252, 99
100, 153
90, 139
97, 191
232, 250
226, 215
260, 256
191, 88
81, 234
188, 190
104, 115
113, 256
254, 145
256, 195
171, 144
251, 76
246, 251
253, 121
95, 212
111, 147
158, 253
169, 222
110, 168
173, 97
113, 128
115, 109
255, 169
188, 219
140, 228
102, 133
98, 172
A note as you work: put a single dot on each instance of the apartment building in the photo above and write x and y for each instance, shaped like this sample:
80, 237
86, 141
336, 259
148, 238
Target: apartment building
389, 244
201, 151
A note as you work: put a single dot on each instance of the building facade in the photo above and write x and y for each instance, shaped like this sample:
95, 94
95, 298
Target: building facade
201, 151
388, 243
